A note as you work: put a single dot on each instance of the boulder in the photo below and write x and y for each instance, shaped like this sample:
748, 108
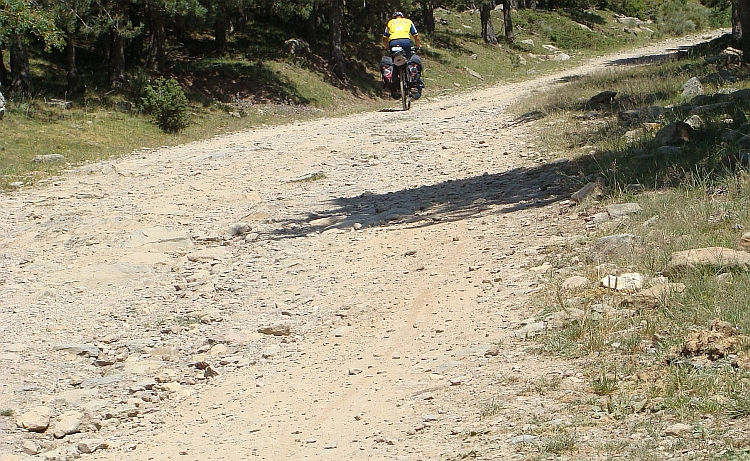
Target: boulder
674, 133
715, 257
692, 88
605, 97
35, 420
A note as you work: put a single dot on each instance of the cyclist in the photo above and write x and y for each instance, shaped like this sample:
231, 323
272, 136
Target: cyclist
400, 31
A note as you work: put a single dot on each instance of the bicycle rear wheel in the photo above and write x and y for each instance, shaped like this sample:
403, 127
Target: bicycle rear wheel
405, 96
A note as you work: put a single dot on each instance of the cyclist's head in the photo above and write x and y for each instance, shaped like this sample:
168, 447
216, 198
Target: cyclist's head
398, 14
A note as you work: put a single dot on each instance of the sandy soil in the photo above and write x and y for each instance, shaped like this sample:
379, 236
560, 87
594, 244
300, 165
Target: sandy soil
345, 288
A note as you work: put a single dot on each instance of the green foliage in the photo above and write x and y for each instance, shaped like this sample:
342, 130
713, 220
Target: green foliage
19, 17
167, 104
679, 17
636, 8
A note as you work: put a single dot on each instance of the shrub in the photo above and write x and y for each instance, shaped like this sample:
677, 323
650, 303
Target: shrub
679, 17
635, 8
167, 104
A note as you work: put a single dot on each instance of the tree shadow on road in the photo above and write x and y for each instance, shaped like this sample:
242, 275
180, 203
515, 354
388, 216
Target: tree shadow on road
447, 201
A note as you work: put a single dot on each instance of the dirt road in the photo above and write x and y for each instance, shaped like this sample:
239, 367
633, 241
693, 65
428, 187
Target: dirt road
335, 289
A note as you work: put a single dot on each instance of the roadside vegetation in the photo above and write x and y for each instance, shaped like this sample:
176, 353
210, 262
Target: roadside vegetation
259, 80
665, 367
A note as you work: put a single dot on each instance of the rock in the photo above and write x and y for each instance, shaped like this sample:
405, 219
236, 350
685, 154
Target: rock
708, 109
272, 351
474, 73
354, 371
591, 191
492, 351
35, 420
208, 255
124, 106
605, 97
652, 221
692, 88
341, 331
239, 229
279, 329
745, 242
715, 257
718, 341
519, 439
612, 245
679, 430
69, 423
85, 350
719, 78
674, 133
630, 282
695, 122
574, 283
92, 445
652, 297
530, 330
528, 41
30, 447
562, 318
49, 158
629, 116
103, 381
669, 151
210, 372
725, 278
561, 57
218, 350
650, 114
296, 47
620, 210
62, 104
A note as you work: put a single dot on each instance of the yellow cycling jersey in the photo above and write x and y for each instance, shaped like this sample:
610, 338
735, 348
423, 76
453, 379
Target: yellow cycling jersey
400, 28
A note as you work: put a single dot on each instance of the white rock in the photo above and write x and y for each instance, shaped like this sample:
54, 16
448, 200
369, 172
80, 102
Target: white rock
69, 423
630, 282
35, 420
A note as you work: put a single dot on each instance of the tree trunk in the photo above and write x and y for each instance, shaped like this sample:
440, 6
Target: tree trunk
338, 63
533, 5
736, 26
157, 42
311, 26
221, 28
19, 67
488, 30
428, 16
508, 21
116, 76
743, 13
71, 70
3, 70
